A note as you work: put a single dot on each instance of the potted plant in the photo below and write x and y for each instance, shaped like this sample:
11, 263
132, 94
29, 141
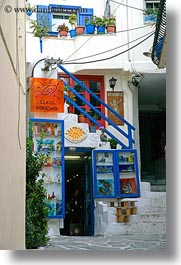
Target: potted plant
92, 127
81, 118
100, 23
78, 28
29, 9
150, 14
40, 29
90, 25
63, 30
73, 23
68, 93
113, 143
111, 24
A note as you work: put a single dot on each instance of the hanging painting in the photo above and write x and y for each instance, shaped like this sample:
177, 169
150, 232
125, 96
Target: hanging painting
115, 99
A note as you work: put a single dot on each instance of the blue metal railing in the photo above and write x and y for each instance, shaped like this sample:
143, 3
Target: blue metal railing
94, 121
130, 127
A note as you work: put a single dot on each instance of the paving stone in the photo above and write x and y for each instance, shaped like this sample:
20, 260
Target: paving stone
132, 241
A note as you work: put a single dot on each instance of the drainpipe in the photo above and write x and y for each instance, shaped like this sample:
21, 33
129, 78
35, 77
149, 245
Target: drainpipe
127, 17
134, 92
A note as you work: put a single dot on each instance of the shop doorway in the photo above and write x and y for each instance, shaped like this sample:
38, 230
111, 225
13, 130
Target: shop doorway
152, 144
79, 207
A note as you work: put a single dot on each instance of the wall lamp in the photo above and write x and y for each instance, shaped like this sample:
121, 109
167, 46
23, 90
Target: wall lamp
148, 54
112, 83
136, 79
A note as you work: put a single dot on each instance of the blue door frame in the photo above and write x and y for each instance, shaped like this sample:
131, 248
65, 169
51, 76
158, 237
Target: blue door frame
89, 198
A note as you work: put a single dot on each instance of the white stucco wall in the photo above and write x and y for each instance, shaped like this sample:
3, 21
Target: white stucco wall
122, 67
126, 18
12, 135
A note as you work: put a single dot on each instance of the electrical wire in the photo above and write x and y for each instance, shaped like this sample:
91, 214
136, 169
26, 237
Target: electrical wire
111, 57
125, 44
133, 7
117, 7
78, 48
32, 72
106, 51
125, 30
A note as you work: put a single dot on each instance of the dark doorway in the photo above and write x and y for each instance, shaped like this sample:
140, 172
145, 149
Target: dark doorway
152, 143
79, 216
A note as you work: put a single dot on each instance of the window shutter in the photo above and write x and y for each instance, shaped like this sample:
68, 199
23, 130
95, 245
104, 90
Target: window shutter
43, 16
84, 12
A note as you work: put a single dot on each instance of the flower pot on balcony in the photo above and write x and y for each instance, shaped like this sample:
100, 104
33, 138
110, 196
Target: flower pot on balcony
63, 33
79, 30
90, 29
81, 118
72, 33
101, 29
92, 129
111, 28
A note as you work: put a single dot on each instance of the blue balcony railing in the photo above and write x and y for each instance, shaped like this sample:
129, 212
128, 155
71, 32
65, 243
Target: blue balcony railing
119, 131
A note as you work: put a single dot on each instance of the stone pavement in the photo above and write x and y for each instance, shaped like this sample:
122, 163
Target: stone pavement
115, 242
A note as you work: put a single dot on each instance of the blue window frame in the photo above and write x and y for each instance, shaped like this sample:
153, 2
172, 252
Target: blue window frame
104, 174
151, 6
58, 14
116, 174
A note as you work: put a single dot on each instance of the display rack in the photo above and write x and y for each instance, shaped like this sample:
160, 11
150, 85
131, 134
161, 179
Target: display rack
128, 173
115, 174
49, 141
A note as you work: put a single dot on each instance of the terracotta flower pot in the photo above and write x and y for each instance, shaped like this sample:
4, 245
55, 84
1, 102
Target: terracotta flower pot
111, 29
63, 33
81, 118
79, 30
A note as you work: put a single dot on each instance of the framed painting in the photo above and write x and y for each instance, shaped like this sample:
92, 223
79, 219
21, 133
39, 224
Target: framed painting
115, 99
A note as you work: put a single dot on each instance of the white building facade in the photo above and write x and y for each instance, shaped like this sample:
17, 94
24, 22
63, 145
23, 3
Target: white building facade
98, 58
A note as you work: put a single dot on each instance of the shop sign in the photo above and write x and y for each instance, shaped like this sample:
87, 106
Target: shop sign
76, 134
46, 95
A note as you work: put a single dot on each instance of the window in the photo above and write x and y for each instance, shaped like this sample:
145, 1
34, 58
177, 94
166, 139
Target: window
58, 19
59, 14
151, 10
150, 4
96, 85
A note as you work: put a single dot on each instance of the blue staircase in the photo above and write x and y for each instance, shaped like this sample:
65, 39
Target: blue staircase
130, 128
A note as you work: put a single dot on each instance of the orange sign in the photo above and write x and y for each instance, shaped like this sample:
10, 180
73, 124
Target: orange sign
46, 95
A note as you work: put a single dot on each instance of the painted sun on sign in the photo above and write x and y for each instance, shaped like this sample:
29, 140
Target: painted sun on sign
46, 95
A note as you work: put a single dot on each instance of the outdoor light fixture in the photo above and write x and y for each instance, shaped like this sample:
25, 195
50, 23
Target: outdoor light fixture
71, 157
136, 79
112, 83
148, 54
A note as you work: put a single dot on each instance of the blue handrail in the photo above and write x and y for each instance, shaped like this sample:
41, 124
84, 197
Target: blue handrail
96, 97
97, 111
130, 126
94, 121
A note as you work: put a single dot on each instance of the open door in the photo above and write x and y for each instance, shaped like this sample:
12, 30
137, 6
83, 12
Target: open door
89, 202
79, 204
